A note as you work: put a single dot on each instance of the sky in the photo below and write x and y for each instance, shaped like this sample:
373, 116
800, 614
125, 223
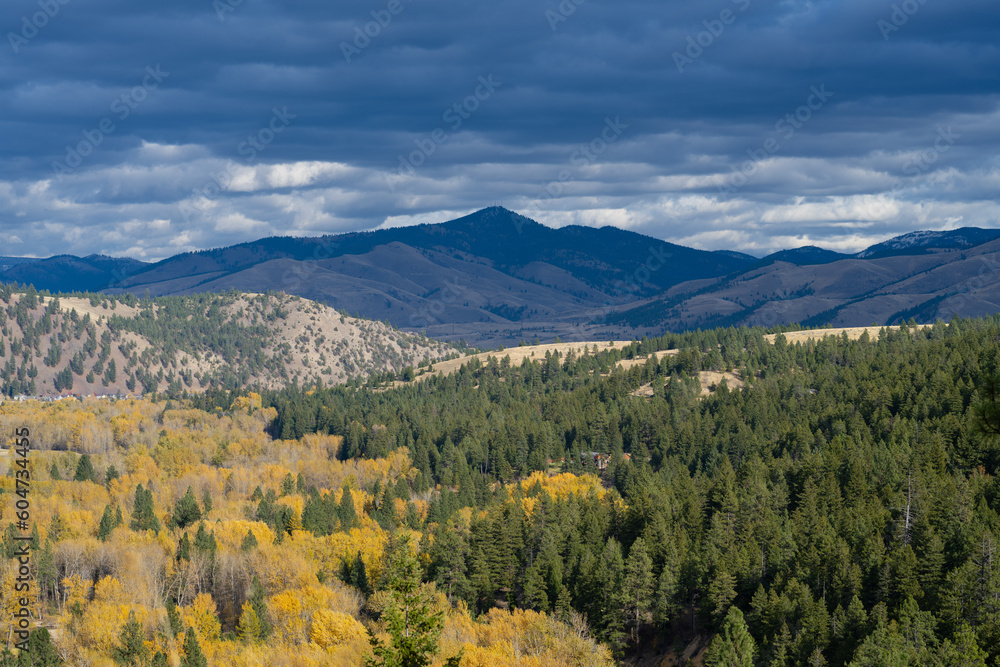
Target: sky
752, 125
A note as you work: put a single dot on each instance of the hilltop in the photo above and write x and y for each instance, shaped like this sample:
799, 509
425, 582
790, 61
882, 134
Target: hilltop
99, 344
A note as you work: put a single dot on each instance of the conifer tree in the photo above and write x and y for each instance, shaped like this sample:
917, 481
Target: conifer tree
84, 470
248, 628
186, 511
41, 652
259, 605
193, 656
414, 626
109, 521
733, 646
131, 649
249, 542
174, 618
143, 514
204, 541
345, 511
637, 592
359, 575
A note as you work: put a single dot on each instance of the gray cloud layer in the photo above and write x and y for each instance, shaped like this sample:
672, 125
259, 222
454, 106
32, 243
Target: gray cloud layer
748, 124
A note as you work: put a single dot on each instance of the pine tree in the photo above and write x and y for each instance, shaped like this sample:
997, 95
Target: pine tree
345, 511
47, 571
109, 521
41, 652
56, 527
248, 628
84, 470
54, 474
249, 542
186, 511
259, 606
385, 514
174, 618
143, 514
637, 592
193, 657
414, 626
205, 541
359, 575
733, 646
131, 649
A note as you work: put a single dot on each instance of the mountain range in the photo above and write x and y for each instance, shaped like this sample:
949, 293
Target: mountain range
496, 277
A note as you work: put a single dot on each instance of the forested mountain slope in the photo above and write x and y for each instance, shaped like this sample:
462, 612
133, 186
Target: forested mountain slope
841, 508
103, 344
844, 500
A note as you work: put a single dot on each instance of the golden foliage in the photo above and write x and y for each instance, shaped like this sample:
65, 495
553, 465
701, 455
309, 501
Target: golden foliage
203, 617
289, 624
319, 620
521, 637
330, 628
230, 534
564, 484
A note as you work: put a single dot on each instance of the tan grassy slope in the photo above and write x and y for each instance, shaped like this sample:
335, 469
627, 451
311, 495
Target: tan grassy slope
853, 333
219, 340
519, 354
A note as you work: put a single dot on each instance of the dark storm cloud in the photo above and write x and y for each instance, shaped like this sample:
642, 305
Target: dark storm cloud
722, 141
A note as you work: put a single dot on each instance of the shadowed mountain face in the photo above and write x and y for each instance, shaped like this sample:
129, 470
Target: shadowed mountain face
496, 276
66, 273
925, 286
492, 274
607, 261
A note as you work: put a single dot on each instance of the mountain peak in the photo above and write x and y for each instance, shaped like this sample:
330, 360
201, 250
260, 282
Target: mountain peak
497, 220
921, 242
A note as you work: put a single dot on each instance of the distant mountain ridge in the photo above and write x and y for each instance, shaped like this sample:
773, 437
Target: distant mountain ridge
497, 276
917, 243
68, 273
